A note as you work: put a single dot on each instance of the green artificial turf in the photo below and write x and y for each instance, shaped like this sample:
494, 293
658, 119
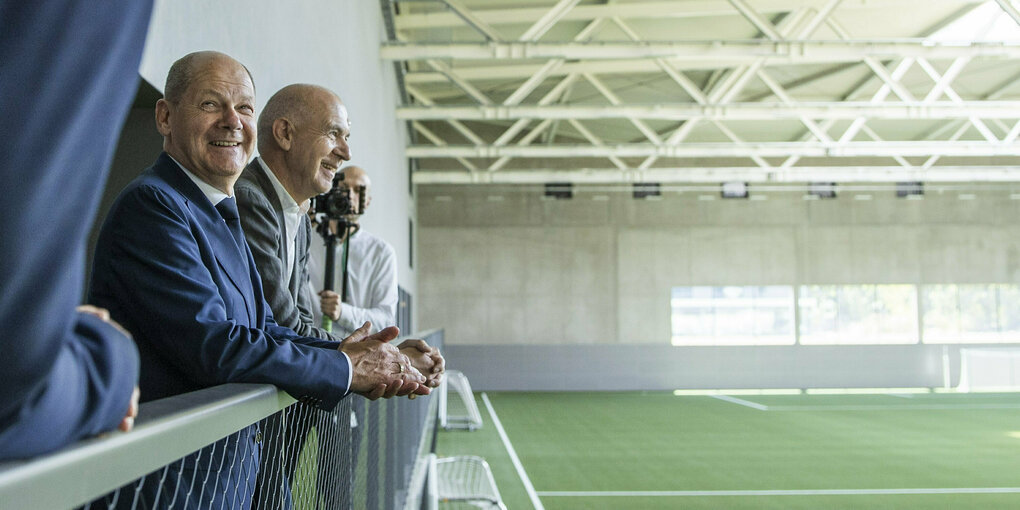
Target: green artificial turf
580, 442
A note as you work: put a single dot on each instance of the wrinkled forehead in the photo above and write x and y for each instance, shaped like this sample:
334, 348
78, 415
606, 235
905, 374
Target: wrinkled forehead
223, 75
338, 116
322, 109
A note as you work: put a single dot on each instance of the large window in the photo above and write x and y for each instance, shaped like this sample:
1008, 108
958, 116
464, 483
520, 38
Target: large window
732, 315
988, 313
858, 314
846, 314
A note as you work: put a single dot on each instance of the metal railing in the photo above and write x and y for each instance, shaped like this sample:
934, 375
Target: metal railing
363, 454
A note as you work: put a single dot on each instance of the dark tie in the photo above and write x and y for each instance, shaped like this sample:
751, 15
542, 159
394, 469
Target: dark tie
228, 209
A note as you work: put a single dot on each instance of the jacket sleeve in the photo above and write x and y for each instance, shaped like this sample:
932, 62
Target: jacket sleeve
65, 375
86, 391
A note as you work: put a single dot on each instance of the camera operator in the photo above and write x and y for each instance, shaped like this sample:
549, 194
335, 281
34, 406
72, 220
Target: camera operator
371, 269
370, 266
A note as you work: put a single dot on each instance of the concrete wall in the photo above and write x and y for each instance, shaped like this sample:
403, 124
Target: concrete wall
504, 266
334, 44
664, 367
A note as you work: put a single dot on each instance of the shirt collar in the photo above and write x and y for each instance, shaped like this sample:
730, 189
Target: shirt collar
211, 192
286, 201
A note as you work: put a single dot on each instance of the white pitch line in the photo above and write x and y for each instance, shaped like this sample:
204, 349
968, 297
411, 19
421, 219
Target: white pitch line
819, 492
513, 455
881, 407
742, 402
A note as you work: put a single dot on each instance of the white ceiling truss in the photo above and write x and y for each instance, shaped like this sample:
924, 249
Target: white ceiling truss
612, 91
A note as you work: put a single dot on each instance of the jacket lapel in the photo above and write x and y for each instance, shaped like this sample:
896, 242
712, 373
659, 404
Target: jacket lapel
232, 261
298, 276
266, 184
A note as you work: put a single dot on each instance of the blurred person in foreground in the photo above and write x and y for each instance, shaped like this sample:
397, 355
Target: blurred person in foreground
68, 74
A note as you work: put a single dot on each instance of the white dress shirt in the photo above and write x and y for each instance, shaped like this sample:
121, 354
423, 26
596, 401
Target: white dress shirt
211, 192
371, 277
292, 215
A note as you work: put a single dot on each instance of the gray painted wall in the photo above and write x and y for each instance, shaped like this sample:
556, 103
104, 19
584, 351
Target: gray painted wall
568, 294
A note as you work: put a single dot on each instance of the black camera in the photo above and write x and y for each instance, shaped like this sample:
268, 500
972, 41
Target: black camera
336, 203
332, 212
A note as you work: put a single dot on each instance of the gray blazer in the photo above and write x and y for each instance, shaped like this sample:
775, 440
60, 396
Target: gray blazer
265, 230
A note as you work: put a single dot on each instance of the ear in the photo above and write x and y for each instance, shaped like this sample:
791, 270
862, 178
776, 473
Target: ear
283, 133
163, 117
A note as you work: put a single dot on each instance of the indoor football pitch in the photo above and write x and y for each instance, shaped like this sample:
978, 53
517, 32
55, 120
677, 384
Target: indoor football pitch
656, 450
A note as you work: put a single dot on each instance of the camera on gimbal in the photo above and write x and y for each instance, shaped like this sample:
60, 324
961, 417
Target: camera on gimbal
335, 212
336, 203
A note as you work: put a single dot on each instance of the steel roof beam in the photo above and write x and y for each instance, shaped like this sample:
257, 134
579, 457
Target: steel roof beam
721, 111
955, 136
648, 132
550, 18
685, 83
1008, 7
434, 138
651, 9
459, 126
594, 140
874, 136
474, 21
765, 26
823, 14
709, 54
726, 90
560, 90
459, 81
736, 139
952, 95
725, 150
715, 175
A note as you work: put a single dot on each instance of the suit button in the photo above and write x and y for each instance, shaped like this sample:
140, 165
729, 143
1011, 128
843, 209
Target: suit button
258, 437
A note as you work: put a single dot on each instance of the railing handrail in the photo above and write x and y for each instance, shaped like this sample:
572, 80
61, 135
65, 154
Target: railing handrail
166, 430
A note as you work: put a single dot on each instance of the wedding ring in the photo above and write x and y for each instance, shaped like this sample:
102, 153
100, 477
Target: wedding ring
400, 368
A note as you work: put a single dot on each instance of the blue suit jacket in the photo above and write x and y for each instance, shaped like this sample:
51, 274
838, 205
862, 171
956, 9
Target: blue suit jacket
168, 269
68, 73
